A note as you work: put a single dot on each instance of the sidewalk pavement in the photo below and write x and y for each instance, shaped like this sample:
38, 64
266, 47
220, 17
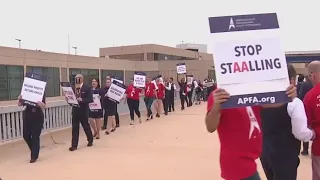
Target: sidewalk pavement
176, 146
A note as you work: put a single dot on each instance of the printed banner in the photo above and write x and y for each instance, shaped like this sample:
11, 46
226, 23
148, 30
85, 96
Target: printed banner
189, 79
181, 68
139, 79
33, 88
69, 94
252, 69
96, 104
116, 91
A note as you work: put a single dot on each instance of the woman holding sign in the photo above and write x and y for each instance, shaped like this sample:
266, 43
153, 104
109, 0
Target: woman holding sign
133, 96
33, 119
96, 112
110, 108
149, 95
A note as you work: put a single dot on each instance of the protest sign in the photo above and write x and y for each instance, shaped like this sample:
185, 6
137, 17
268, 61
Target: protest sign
139, 79
116, 79
249, 61
189, 79
96, 104
33, 88
116, 91
69, 94
181, 68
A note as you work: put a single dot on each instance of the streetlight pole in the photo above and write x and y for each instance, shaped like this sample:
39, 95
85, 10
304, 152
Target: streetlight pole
19, 40
75, 50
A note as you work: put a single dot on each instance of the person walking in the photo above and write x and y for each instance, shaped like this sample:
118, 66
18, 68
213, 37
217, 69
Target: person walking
160, 93
133, 101
183, 92
96, 115
80, 115
110, 109
166, 99
33, 119
172, 95
149, 96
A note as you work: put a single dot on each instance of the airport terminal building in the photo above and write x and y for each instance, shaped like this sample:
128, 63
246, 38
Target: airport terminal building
121, 62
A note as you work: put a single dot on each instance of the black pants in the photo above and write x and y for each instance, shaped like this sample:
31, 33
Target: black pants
282, 168
31, 134
183, 99
76, 120
165, 103
189, 97
171, 102
133, 105
117, 117
255, 176
148, 101
305, 146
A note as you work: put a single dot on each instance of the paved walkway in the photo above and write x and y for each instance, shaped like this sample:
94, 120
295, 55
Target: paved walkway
172, 147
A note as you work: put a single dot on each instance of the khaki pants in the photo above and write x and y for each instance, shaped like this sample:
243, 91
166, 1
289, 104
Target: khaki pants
315, 167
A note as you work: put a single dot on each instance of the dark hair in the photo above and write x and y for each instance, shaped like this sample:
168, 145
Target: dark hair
300, 78
291, 71
171, 79
98, 82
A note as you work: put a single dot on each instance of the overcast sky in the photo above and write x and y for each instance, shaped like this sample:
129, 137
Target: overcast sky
45, 24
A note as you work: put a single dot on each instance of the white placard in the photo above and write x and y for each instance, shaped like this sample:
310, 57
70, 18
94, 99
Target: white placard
118, 80
249, 61
33, 88
116, 91
139, 79
96, 104
189, 79
69, 94
195, 84
181, 68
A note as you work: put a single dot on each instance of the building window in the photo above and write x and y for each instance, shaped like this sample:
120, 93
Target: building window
53, 81
88, 75
11, 79
159, 57
119, 74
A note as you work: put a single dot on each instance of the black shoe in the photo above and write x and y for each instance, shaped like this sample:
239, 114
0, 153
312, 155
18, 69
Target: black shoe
165, 113
151, 117
33, 160
112, 130
118, 125
90, 144
182, 108
173, 109
157, 115
104, 128
169, 111
305, 153
73, 148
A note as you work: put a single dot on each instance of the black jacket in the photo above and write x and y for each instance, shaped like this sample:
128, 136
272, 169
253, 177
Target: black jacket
86, 95
304, 89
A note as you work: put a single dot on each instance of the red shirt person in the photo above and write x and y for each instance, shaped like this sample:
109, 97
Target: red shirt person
312, 106
161, 90
149, 96
239, 134
133, 92
133, 101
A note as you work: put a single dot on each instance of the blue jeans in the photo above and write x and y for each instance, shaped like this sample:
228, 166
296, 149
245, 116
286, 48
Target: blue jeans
148, 101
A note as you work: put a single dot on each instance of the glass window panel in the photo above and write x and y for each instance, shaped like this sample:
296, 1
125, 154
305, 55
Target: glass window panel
15, 71
14, 93
15, 82
3, 83
4, 94
84, 72
3, 71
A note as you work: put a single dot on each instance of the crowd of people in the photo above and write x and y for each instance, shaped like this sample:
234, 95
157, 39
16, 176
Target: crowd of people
271, 132
159, 95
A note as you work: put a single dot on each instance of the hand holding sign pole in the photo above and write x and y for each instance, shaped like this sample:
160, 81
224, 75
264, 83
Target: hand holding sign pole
139, 79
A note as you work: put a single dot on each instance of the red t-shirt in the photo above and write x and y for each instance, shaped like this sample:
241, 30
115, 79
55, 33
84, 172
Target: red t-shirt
133, 93
160, 91
149, 89
240, 140
312, 105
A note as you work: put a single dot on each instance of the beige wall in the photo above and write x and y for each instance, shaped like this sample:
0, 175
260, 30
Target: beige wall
152, 48
14, 56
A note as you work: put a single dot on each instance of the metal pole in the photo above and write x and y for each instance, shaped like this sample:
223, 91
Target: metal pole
19, 41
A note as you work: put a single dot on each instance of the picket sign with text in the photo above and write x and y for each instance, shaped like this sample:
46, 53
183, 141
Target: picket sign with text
139, 79
116, 91
69, 94
33, 88
249, 61
96, 104
181, 68
116, 79
189, 79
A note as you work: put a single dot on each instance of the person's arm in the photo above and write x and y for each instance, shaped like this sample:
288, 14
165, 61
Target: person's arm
291, 92
308, 105
213, 115
299, 120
